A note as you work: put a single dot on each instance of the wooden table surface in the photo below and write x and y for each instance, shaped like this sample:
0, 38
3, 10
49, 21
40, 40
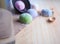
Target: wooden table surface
39, 31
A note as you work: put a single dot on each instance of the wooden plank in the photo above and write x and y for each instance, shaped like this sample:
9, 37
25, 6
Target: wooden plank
41, 32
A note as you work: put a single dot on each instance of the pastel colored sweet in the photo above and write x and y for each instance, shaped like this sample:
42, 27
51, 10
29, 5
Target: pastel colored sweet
33, 13
20, 5
25, 18
46, 12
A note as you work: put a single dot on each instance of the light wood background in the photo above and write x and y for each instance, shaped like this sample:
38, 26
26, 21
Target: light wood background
39, 31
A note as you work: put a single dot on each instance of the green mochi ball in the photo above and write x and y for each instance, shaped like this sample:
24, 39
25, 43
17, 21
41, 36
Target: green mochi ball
25, 18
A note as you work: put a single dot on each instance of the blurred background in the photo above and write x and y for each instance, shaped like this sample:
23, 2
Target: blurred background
7, 4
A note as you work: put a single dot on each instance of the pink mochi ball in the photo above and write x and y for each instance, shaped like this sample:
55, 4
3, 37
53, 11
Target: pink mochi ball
20, 5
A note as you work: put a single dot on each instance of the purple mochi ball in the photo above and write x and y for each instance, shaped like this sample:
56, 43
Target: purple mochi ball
33, 13
20, 5
46, 12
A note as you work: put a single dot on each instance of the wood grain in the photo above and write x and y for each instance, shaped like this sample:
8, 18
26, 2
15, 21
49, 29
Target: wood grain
41, 32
